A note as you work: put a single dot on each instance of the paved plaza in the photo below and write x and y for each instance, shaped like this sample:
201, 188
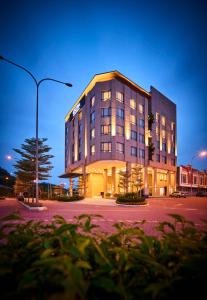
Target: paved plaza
194, 209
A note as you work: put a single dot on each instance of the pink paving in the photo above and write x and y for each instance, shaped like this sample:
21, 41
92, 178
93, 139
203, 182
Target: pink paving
194, 209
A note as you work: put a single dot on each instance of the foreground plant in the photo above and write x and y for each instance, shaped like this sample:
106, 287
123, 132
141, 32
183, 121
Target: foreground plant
76, 260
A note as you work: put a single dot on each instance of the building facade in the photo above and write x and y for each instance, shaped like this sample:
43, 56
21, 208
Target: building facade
191, 180
114, 126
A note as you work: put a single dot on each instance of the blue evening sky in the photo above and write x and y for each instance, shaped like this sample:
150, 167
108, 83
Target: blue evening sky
159, 43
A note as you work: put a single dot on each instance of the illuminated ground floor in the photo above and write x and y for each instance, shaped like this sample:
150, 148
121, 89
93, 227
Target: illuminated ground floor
105, 178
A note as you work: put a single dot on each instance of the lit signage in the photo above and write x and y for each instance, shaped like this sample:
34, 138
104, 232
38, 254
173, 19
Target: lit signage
76, 109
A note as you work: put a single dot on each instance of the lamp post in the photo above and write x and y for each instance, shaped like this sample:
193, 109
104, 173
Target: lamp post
37, 83
200, 154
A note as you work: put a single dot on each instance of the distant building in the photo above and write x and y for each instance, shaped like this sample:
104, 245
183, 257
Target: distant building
113, 126
187, 177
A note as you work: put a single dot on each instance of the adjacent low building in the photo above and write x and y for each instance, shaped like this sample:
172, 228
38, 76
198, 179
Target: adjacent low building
114, 126
191, 180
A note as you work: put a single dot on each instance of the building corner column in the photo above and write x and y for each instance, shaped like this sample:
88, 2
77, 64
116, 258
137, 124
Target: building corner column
113, 180
105, 181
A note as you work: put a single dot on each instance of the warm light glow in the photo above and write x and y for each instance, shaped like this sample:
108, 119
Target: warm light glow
113, 123
8, 157
203, 153
105, 77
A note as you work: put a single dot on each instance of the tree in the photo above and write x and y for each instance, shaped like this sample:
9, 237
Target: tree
124, 180
137, 178
6, 179
25, 166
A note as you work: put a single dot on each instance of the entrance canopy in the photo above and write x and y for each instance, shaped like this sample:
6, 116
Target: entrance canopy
70, 175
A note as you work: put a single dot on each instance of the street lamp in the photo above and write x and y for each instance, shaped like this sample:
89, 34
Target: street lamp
200, 154
37, 103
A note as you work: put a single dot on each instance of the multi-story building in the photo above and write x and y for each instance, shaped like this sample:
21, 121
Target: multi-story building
191, 180
113, 126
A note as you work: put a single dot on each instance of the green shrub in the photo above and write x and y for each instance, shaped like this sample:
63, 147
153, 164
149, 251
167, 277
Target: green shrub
73, 261
70, 199
130, 198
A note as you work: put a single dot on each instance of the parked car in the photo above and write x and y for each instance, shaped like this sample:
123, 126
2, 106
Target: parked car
178, 195
201, 194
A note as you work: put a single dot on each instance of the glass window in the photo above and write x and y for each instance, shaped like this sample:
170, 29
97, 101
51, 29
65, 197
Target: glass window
106, 147
157, 117
172, 126
141, 123
92, 118
120, 113
158, 145
133, 135
133, 151
132, 103
80, 116
164, 147
120, 97
92, 133
133, 119
141, 108
120, 147
106, 129
164, 159
92, 101
106, 112
92, 149
105, 95
163, 121
163, 134
141, 153
157, 130
80, 127
173, 161
141, 138
157, 157
120, 130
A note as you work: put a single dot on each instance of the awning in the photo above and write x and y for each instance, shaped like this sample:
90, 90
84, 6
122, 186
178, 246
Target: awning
70, 175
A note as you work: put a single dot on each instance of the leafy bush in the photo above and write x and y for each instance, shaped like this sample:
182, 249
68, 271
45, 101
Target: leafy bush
70, 199
76, 261
131, 198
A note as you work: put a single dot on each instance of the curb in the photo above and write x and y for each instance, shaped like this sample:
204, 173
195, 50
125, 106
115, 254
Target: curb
132, 205
38, 208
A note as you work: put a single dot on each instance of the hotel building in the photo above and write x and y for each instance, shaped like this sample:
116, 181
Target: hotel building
116, 125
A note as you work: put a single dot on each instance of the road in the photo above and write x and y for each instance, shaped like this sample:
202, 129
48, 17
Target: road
194, 209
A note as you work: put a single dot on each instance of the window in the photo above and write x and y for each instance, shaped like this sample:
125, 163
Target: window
173, 161
132, 103
141, 108
141, 123
157, 130
172, 150
158, 145
133, 151
163, 134
120, 97
157, 117
105, 129
120, 130
120, 113
106, 112
173, 138
163, 177
172, 126
120, 147
141, 138
106, 95
80, 127
164, 159
92, 101
133, 119
157, 157
163, 121
141, 153
183, 178
194, 180
164, 147
92, 133
106, 147
80, 116
133, 135
79, 156
92, 118
92, 149
79, 143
